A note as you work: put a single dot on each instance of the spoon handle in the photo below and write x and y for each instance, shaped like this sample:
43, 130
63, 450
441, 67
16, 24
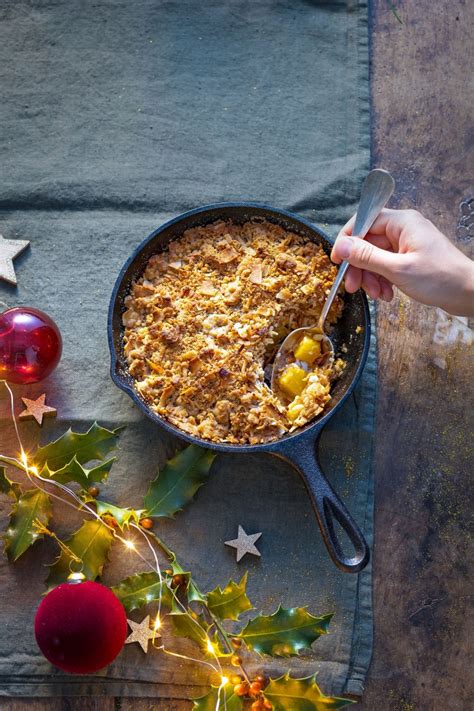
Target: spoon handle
376, 191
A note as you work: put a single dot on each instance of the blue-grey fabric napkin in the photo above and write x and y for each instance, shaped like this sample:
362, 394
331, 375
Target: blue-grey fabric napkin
116, 116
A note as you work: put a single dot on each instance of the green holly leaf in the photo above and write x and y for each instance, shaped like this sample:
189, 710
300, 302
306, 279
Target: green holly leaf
194, 594
219, 649
229, 603
285, 632
141, 589
192, 591
7, 486
75, 471
288, 694
219, 699
177, 483
95, 444
33, 505
178, 570
189, 624
90, 543
122, 516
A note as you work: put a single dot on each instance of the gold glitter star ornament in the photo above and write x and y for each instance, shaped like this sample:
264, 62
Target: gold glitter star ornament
244, 543
142, 633
36, 409
9, 249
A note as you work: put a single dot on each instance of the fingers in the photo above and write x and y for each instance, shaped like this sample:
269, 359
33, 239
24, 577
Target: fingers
371, 285
380, 241
375, 286
379, 226
353, 279
365, 255
389, 223
386, 290
375, 262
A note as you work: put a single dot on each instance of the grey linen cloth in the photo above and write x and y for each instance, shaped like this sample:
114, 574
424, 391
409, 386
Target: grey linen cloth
116, 116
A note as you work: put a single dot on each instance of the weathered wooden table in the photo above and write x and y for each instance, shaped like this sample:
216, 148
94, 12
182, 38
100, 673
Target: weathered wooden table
422, 111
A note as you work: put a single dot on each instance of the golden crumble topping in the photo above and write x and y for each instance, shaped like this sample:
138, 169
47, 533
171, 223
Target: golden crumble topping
204, 319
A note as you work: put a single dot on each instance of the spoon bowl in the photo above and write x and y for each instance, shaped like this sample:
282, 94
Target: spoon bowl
285, 353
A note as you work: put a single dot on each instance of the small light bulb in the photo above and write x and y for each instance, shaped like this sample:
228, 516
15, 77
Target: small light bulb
130, 545
157, 623
34, 471
24, 459
224, 680
210, 647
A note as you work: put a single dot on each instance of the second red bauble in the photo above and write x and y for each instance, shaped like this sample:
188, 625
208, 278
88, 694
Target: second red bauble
30, 345
80, 627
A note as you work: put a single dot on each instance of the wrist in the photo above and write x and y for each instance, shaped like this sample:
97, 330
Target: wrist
461, 302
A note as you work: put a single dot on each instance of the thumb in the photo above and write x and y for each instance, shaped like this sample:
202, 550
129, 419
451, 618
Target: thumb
365, 255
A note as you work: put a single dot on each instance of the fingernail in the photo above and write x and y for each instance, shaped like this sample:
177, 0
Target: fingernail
344, 247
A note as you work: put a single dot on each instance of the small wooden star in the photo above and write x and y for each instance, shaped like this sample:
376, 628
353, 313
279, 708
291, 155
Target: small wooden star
36, 409
244, 543
9, 249
141, 633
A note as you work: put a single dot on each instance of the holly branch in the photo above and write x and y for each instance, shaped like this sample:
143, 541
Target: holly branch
83, 461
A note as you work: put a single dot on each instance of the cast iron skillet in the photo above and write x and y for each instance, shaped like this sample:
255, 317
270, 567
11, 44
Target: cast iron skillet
300, 447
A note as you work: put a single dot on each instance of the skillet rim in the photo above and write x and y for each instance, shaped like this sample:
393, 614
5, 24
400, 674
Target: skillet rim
311, 431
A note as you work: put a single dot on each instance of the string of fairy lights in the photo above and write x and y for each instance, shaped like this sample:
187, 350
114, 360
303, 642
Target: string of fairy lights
22, 463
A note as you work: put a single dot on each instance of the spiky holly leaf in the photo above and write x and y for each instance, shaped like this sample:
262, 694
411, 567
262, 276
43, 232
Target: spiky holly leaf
95, 444
229, 603
218, 647
122, 516
177, 568
189, 624
7, 486
177, 483
90, 543
141, 589
285, 632
33, 505
219, 699
288, 694
192, 591
75, 471
194, 594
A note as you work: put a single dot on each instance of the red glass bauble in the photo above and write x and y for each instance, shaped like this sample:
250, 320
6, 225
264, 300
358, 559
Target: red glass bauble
30, 345
80, 627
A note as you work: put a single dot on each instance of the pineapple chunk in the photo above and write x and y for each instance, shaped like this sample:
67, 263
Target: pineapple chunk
308, 350
294, 411
293, 380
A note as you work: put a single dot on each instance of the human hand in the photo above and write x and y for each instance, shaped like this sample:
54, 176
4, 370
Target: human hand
406, 250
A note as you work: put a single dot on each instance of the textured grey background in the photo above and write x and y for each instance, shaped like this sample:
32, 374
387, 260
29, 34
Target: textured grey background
115, 117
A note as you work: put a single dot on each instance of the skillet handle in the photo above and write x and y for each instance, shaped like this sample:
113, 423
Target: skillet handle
328, 508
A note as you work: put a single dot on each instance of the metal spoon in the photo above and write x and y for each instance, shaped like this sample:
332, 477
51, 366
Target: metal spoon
376, 191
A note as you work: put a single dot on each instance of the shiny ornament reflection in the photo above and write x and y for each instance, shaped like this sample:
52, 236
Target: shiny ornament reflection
30, 345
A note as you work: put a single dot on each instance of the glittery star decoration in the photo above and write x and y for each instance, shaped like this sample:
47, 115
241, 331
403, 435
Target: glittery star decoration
36, 409
9, 249
244, 543
141, 633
